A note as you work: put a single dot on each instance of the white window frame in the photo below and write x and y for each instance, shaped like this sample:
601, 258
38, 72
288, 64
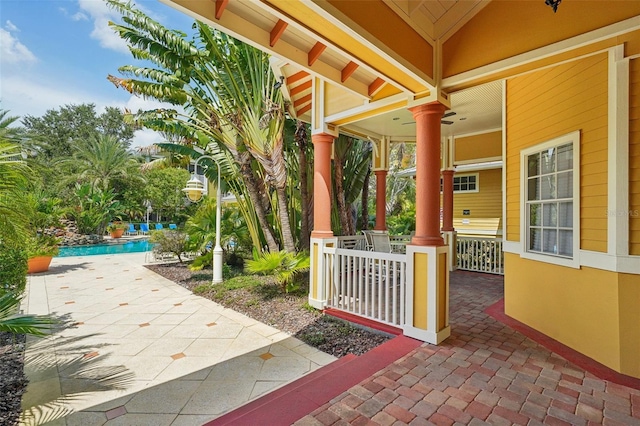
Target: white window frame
466, 191
574, 262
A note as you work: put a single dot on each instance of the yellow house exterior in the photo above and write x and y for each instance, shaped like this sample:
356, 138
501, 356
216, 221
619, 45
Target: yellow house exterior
569, 134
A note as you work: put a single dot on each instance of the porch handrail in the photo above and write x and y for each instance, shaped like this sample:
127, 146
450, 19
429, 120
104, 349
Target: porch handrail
480, 254
366, 283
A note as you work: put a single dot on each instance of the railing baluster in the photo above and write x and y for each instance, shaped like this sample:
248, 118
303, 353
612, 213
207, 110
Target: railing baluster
480, 255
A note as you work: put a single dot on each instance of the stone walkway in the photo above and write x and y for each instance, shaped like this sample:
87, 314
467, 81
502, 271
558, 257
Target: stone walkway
134, 348
485, 373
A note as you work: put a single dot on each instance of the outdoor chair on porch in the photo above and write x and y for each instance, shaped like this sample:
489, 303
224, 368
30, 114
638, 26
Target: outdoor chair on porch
380, 242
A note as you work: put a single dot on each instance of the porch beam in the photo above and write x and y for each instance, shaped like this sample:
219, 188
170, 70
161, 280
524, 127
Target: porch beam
277, 32
220, 7
348, 70
315, 52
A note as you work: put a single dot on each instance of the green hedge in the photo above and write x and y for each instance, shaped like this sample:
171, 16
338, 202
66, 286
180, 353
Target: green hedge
13, 269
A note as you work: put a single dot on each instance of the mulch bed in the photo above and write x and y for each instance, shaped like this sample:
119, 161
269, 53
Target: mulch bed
13, 382
287, 312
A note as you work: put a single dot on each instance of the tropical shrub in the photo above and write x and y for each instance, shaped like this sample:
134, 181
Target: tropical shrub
95, 208
13, 269
13, 322
42, 245
169, 241
286, 266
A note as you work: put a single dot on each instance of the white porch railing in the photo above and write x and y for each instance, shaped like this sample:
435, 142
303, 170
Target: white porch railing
366, 283
480, 254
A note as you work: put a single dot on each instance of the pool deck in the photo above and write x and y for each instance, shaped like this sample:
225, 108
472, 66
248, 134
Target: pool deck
134, 348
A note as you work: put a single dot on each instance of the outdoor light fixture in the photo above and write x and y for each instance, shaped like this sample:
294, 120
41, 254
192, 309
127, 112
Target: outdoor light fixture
195, 190
278, 84
553, 3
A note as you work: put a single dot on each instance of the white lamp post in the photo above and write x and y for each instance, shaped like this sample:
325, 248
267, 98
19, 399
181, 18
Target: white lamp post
195, 190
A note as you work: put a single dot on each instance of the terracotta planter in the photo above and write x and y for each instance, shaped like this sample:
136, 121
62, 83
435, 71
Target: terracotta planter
117, 233
39, 264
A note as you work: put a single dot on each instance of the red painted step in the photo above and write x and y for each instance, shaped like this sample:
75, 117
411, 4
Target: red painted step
293, 401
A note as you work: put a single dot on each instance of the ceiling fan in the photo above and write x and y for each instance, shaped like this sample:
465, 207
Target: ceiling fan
447, 122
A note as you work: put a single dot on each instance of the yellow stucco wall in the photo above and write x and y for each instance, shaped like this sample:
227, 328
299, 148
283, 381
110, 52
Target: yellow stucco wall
477, 147
496, 32
579, 307
420, 292
629, 290
552, 102
634, 156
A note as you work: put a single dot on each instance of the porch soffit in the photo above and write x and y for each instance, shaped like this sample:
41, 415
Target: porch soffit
345, 59
378, 74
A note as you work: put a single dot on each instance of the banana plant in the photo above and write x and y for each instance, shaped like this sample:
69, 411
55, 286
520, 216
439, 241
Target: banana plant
226, 91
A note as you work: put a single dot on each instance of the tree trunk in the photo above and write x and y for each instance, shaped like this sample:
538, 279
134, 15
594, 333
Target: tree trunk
252, 188
277, 170
344, 212
283, 212
302, 142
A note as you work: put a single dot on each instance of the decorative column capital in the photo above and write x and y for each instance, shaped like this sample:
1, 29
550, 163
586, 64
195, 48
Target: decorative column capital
428, 109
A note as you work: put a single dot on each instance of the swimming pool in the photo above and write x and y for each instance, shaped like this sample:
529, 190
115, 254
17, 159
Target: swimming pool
128, 247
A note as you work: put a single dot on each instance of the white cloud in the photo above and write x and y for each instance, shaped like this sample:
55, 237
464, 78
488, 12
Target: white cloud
100, 13
12, 51
146, 137
31, 96
79, 16
11, 27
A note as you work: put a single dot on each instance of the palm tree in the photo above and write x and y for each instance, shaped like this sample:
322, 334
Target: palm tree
12, 178
101, 159
232, 108
352, 163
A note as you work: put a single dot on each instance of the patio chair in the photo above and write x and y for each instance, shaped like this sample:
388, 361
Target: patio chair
131, 230
144, 229
380, 242
368, 240
173, 226
159, 227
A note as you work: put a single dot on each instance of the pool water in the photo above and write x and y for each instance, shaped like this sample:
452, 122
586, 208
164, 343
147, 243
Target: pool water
128, 247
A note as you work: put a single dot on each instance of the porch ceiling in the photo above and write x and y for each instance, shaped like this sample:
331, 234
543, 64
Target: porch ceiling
477, 109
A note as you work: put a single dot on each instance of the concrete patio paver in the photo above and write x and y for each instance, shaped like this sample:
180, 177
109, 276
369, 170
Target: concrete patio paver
137, 348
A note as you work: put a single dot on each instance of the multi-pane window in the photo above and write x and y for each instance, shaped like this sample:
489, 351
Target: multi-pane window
464, 183
549, 201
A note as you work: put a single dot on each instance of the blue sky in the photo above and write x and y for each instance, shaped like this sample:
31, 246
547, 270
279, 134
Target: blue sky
59, 52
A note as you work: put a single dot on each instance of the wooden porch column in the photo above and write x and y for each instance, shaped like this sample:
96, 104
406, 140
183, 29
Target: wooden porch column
381, 200
447, 200
428, 174
322, 143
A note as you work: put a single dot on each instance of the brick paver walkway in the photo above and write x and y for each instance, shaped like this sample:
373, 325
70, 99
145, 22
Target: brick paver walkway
485, 373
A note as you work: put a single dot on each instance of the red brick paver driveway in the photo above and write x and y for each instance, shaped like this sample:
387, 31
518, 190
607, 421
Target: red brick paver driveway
485, 373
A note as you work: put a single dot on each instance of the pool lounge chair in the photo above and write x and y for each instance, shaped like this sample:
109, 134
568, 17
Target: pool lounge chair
144, 228
131, 230
159, 227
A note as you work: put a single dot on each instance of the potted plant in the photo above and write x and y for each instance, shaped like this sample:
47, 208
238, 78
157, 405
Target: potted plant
116, 229
40, 250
